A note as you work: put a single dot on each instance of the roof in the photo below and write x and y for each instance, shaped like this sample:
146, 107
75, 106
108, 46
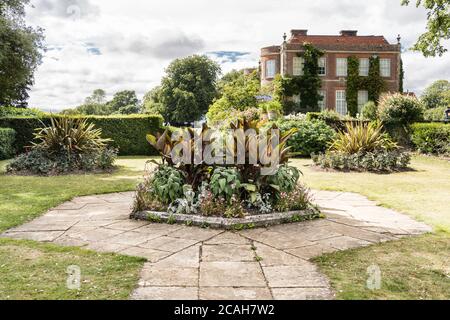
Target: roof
351, 43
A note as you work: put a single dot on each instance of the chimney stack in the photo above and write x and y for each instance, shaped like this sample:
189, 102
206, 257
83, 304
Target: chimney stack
349, 33
299, 32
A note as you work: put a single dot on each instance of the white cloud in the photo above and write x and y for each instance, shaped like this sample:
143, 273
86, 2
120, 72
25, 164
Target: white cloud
117, 45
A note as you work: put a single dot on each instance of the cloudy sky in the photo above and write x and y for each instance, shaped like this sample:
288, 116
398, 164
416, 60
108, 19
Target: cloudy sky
126, 45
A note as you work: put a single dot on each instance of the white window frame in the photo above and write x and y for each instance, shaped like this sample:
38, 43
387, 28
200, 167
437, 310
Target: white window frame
341, 67
270, 67
385, 68
298, 64
364, 66
341, 102
322, 64
363, 98
323, 103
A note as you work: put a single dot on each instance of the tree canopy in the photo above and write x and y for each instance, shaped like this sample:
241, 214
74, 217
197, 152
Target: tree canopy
430, 43
123, 102
437, 95
237, 92
187, 89
20, 53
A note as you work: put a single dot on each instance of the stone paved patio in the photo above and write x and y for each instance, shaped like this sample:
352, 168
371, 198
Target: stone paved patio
194, 263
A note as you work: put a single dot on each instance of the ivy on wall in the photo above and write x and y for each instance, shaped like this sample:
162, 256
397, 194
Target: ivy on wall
354, 83
374, 83
307, 85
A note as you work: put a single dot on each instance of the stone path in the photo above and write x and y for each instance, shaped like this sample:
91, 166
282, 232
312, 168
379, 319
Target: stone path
194, 263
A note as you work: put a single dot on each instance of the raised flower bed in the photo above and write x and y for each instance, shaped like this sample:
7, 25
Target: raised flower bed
232, 179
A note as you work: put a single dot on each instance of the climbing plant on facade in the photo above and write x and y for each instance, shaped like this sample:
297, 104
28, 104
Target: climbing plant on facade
353, 85
374, 83
306, 85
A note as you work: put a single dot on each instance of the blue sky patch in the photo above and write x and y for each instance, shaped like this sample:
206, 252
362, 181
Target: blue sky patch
229, 56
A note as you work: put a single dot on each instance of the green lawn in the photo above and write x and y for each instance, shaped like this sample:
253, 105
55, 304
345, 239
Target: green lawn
31, 270
416, 268
24, 198
413, 268
423, 193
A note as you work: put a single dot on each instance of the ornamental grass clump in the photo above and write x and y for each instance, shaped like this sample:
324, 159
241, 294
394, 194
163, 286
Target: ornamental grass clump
363, 147
67, 145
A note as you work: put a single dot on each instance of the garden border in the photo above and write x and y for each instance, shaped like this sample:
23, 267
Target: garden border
249, 222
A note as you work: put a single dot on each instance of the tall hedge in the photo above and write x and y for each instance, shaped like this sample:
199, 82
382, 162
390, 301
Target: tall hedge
127, 132
7, 136
431, 138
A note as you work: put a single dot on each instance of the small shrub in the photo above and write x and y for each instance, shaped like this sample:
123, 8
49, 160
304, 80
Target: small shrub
326, 115
235, 209
7, 138
362, 138
312, 136
370, 111
211, 205
398, 109
69, 135
431, 138
186, 205
285, 179
145, 198
225, 182
168, 184
381, 161
298, 199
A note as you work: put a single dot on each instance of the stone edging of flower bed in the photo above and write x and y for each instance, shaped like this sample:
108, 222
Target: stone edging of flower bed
249, 222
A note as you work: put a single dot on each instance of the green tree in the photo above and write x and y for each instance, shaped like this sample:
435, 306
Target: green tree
238, 94
122, 99
152, 101
430, 43
188, 88
97, 97
437, 95
20, 53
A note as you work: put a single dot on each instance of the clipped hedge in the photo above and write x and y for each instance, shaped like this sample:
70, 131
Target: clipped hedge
431, 138
127, 132
7, 137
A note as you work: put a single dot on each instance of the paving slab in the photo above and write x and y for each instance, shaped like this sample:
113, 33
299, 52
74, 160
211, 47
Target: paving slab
168, 244
231, 274
227, 252
234, 294
165, 293
154, 276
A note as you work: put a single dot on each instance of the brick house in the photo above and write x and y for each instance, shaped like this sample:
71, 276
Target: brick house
285, 60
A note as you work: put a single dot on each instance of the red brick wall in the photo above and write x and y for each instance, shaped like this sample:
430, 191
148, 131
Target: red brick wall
331, 82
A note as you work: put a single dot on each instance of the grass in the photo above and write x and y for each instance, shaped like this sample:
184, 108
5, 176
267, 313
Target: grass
422, 193
33, 270
412, 268
24, 198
